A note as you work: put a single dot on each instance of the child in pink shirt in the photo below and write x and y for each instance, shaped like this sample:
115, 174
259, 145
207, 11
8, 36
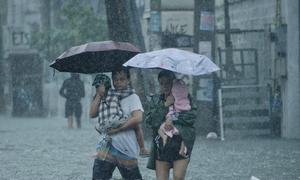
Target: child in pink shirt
181, 103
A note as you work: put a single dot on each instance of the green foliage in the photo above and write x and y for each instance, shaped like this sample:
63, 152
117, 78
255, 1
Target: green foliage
79, 24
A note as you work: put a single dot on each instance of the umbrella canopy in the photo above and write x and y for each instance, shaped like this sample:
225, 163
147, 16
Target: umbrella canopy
175, 60
94, 57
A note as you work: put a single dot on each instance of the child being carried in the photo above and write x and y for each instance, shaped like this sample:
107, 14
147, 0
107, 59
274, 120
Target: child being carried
181, 103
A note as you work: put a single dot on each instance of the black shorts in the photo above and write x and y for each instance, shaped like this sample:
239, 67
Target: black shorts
73, 108
169, 152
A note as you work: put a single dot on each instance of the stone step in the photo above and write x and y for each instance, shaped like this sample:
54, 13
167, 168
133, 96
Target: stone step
246, 119
244, 107
247, 125
243, 94
245, 100
240, 133
246, 113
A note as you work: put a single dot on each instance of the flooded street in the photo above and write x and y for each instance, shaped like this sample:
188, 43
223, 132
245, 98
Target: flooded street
223, 67
43, 148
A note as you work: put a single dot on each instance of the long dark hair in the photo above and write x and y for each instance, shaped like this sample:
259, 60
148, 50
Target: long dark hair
166, 73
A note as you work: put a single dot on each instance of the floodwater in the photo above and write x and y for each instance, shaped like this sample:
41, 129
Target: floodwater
43, 148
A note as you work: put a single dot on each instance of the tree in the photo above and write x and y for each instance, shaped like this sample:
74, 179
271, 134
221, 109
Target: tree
78, 23
124, 25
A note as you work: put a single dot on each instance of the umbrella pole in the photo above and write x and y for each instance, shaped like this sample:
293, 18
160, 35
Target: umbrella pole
221, 114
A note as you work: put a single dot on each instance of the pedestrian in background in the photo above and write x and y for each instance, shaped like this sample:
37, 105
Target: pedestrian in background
73, 90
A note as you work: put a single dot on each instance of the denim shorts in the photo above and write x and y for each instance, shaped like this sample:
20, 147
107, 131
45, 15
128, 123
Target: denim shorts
103, 169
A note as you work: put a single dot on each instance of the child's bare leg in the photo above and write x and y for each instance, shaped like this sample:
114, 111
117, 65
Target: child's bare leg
183, 149
163, 136
70, 122
140, 139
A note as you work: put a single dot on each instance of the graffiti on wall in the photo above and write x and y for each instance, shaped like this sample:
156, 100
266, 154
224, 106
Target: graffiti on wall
177, 29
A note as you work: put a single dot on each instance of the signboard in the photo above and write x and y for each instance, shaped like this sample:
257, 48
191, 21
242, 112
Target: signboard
20, 38
155, 21
207, 21
14, 39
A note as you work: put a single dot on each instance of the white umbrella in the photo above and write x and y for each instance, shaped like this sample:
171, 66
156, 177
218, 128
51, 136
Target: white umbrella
175, 60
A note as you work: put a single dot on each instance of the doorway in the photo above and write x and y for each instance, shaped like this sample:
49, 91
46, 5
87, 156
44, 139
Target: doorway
26, 84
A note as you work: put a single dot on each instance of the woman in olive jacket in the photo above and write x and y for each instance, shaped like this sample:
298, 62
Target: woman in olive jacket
165, 157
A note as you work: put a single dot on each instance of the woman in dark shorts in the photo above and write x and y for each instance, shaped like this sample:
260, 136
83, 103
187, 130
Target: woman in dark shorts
165, 157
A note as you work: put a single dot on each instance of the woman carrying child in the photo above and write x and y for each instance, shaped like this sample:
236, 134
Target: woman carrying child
170, 152
121, 149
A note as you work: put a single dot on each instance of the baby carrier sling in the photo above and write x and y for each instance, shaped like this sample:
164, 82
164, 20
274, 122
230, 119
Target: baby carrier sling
110, 111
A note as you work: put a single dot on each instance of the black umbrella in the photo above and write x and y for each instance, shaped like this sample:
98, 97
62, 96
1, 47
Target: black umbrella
95, 57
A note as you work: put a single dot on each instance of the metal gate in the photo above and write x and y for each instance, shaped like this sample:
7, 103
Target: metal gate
245, 64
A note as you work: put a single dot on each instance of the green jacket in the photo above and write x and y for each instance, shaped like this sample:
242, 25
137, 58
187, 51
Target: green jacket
156, 116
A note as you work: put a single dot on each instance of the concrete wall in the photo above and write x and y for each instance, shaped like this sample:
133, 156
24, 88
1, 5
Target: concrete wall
291, 93
261, 14
249, 15
246, 14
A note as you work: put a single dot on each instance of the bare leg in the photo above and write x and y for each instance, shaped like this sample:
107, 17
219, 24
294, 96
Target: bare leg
162, 170
140, 138
78, 122
70, 122
179, 169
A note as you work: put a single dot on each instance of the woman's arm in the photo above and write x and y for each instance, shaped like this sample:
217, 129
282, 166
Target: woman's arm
95, 106
156, 113
100, 92
132, 122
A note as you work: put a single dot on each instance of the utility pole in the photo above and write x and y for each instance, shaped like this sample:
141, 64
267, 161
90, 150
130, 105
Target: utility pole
204, 31
204, 43
3, 11
229, 67
124, 23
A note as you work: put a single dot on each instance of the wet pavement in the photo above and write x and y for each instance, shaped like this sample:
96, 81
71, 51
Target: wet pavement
43, 148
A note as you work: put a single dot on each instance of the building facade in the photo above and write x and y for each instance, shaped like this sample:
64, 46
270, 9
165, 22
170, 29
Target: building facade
270, 29
29, 87
173, 24
262, 34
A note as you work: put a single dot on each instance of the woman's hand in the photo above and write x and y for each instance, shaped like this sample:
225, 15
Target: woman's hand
169, 100
168, 124
100, 91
